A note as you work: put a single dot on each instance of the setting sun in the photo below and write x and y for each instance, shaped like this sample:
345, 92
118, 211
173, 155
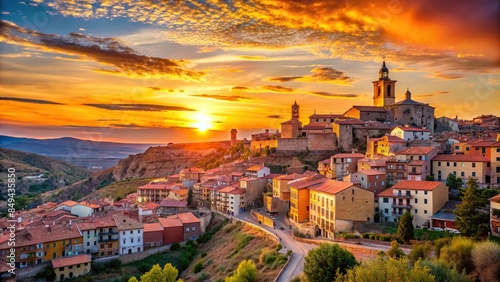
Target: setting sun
203, 122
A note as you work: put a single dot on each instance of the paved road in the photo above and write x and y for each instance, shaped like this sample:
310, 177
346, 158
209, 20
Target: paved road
296, 265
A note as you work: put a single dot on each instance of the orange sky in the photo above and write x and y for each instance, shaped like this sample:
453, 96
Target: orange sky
184, 71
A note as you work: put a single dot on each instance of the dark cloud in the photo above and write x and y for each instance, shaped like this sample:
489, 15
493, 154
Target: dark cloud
328, 94
28, 100
433, 94
447, 76
276, 88
138, 107
275, 116
106, 51
242, 88
156, 88
221, 97
323, 74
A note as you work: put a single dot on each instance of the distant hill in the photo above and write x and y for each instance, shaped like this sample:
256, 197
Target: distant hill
36, 174
84, 153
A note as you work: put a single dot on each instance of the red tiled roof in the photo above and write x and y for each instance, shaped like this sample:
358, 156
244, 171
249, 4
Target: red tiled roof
167, 202
417, 185
386, 193
151, 206
255, 168
484, 143
307, 182
348, 155
392, 138
271, 175
495, 199
157, 186
170, 222
331, 186
371, 172
237, 191
460, 158
152, 227
186, 217
68, 203
416, 162
315, 126
67, 261
192, 170
412, 129
416, 151
127, 223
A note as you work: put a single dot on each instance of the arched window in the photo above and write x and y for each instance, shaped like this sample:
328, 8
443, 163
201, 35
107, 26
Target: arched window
389, 90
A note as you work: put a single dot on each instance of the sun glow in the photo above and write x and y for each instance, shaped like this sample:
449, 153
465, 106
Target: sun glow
203, 122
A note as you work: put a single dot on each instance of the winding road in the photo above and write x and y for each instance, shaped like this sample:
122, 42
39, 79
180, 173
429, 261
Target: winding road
296, 265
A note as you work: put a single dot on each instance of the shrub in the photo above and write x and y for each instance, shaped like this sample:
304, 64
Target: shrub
420, 251
289, 253
204, 254
326, 262
486, 258
175, 247
279, 247
439, 244
198, 266
203, 277
458, 254
395, 251
47, 273
366, 235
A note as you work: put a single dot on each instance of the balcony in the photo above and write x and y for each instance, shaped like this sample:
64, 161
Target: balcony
396, 214
401, 205
402, 196
414, 172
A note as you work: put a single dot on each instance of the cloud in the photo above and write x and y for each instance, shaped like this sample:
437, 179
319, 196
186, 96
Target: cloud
437, 93
253, 58
221, 97
239, 88
328, 94
138, 107
351, 30
446, 76
28, 100
106, 51
275, 116
156, 88
276, 88
81, 29
323, 74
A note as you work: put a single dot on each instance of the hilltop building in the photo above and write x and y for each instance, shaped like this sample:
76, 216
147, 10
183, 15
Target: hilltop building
414, 119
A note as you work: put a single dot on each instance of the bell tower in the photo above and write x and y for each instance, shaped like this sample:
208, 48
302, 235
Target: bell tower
384, 89
295, 111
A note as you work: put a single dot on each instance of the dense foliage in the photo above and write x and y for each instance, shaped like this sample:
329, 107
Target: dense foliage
326, 261
405, 227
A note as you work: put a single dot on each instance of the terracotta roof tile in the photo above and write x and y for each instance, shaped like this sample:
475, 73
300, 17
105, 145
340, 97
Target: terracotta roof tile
416, 151
185, 217
348, 155
417, 185
152, 227
170, 222
331, 186
67, 261
167, 202
371, 172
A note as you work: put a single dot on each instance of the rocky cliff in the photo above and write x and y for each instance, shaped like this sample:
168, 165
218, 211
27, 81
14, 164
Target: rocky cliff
164, 160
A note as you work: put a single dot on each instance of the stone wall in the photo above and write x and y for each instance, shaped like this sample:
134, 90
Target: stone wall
420, 115
292, 144
343, 225
261, 144
321, 141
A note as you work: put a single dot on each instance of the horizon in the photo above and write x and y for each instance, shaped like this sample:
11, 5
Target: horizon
154, 73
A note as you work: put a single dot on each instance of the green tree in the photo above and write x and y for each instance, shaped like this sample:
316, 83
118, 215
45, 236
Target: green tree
395, 251
442, 272
458, 254
470, 220
168, 274
246, 272
486, 259
326, 261
429, 178
382, 269
190, 196
405, 227
453, 182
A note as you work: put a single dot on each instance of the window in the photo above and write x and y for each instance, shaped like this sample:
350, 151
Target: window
383, 183
462, 174
123, 233
193, 228
425, 192
353, 191
88, 244
187, 230
439, 163
416, 210
131, 232
473, 164
498, 169
454, 164
416, 201
447, 163
138, 231
425, 201
131, 240
425, 211
416, 192
386, 210
386, 200
474, 173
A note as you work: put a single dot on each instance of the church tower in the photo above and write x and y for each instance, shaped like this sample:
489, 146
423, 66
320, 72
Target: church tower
295, 111
384, 88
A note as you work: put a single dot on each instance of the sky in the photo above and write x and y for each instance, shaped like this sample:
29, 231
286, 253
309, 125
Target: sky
151, 71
